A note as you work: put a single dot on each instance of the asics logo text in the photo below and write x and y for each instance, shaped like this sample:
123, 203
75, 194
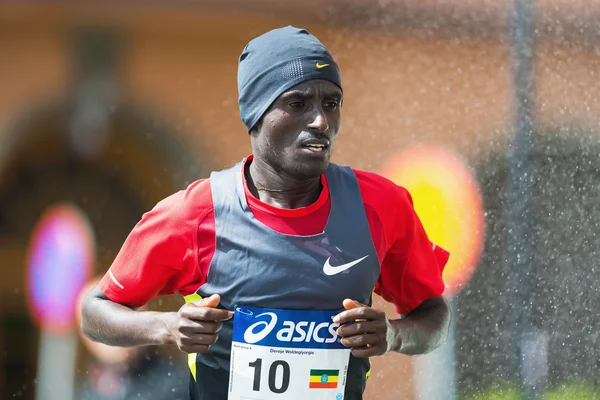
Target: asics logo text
290, 331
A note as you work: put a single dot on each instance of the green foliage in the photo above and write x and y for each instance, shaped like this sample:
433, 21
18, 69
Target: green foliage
496, 393
571, 391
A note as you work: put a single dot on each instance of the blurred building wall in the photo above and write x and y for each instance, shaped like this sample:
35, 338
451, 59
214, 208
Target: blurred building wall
403, 83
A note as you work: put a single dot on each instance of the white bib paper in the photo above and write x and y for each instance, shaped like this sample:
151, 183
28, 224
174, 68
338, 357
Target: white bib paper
286, 354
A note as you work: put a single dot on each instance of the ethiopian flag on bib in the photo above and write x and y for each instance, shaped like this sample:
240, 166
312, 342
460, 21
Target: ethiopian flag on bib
324, 378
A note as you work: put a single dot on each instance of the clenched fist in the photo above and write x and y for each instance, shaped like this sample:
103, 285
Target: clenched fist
195, 327
366, 331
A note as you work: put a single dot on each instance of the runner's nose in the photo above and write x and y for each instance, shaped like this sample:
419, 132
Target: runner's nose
318, 121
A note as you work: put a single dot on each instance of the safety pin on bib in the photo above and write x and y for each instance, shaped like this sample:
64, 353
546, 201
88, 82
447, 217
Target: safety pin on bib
248, 312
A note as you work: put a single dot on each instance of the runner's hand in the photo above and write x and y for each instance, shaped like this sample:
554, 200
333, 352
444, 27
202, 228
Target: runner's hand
198, 324
367, 331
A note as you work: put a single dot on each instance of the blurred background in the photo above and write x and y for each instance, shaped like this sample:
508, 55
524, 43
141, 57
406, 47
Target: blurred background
486, 110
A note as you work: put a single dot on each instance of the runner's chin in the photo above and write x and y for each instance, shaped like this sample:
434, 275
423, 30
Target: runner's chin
313, 163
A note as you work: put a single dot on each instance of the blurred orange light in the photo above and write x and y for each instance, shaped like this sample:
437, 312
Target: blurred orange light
447, 199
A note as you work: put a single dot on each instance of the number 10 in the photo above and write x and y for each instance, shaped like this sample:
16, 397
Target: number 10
285, 382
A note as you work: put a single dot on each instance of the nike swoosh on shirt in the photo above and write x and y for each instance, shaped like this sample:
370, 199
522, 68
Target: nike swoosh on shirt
329, 269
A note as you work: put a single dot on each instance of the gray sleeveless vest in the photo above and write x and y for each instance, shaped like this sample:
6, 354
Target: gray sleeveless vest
256, 266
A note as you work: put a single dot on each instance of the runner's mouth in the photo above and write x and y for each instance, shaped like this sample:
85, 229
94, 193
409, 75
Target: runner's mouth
316, 148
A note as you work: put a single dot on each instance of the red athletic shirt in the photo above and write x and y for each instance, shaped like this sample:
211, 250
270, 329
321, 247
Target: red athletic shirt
171, 248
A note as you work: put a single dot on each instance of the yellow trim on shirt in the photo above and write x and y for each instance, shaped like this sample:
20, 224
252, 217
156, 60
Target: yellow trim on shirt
192, 364
192, 357
192, 297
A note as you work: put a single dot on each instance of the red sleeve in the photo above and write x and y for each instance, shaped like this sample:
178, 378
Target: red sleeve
411, 266
161, 254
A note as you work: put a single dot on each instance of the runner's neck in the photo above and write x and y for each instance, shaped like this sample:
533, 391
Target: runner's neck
278, 191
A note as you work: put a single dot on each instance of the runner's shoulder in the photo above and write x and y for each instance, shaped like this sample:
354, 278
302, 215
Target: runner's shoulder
190, 203
379, 190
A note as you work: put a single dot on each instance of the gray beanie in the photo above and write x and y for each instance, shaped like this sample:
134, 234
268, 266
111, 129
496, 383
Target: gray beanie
276, 61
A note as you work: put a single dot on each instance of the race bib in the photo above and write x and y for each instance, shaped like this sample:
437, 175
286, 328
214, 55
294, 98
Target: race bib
286, 354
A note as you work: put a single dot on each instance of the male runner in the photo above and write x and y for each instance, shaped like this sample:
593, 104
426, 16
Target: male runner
278, 256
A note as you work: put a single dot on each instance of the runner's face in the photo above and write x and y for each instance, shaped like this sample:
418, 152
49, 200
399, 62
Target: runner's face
296, 134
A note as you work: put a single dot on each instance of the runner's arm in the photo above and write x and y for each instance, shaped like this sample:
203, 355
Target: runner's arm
114, 324
159, 257
415, 282
194, 328
410, 278
423, 330
370, 333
